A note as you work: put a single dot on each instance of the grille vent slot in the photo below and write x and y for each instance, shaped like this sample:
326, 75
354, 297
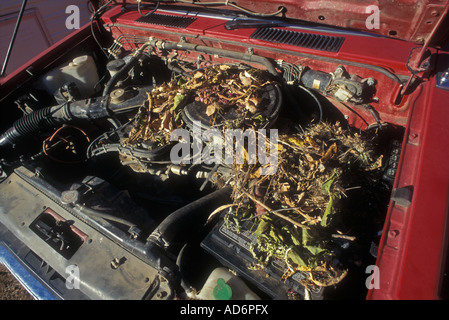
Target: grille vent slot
299, 39
167, 20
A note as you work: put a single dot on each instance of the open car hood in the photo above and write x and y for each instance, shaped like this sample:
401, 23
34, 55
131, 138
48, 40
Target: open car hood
409, 20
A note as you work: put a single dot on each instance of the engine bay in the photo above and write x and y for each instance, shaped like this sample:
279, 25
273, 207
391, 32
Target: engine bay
139, 132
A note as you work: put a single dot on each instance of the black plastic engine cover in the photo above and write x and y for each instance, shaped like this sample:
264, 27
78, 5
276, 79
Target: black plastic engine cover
231, 246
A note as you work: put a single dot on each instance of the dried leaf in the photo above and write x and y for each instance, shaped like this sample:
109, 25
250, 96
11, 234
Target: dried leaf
296, 141
198, 75
330, 152
218, 210
212, 108
309, 158
250, 106
312, 143
285, 187
376, 165
332, 280
165, 120
246, 81
159, 109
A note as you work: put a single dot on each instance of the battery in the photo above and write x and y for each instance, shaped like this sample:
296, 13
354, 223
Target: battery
230, 244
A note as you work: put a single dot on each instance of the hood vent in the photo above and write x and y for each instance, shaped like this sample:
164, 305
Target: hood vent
167, 20
300, 39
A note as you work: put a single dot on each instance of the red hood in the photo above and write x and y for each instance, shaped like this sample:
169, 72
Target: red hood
410, 20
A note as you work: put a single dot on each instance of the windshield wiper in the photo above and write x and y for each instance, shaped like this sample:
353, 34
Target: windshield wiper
281, 9
13, 38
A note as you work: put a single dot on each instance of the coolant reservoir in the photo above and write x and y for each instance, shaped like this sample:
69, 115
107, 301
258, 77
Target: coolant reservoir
81, 70
224, 285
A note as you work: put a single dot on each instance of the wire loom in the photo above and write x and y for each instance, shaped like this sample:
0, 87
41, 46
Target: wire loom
58, 137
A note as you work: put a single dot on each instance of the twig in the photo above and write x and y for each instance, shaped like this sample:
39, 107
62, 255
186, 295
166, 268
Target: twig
274, 212
342, 236
219, 209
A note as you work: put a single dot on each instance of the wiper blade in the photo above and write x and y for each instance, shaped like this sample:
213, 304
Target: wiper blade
250, 23
219, 3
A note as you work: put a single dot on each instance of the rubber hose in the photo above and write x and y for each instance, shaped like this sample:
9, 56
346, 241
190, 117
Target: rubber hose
185, 285
37, 120
128, 66
217, 51
179, 225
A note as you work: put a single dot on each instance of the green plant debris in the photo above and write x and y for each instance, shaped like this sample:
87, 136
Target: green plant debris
220, 89
313, 183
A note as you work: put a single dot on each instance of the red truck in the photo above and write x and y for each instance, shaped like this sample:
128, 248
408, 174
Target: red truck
101, 197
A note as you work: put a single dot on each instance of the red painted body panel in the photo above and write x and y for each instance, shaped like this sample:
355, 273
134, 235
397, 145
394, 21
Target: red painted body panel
410, 20
384, 52
413, 248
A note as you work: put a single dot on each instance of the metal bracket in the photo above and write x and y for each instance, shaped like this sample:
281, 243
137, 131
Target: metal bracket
402, 196
442, 80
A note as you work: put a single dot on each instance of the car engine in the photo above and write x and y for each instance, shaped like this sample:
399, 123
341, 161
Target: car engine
133, 141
